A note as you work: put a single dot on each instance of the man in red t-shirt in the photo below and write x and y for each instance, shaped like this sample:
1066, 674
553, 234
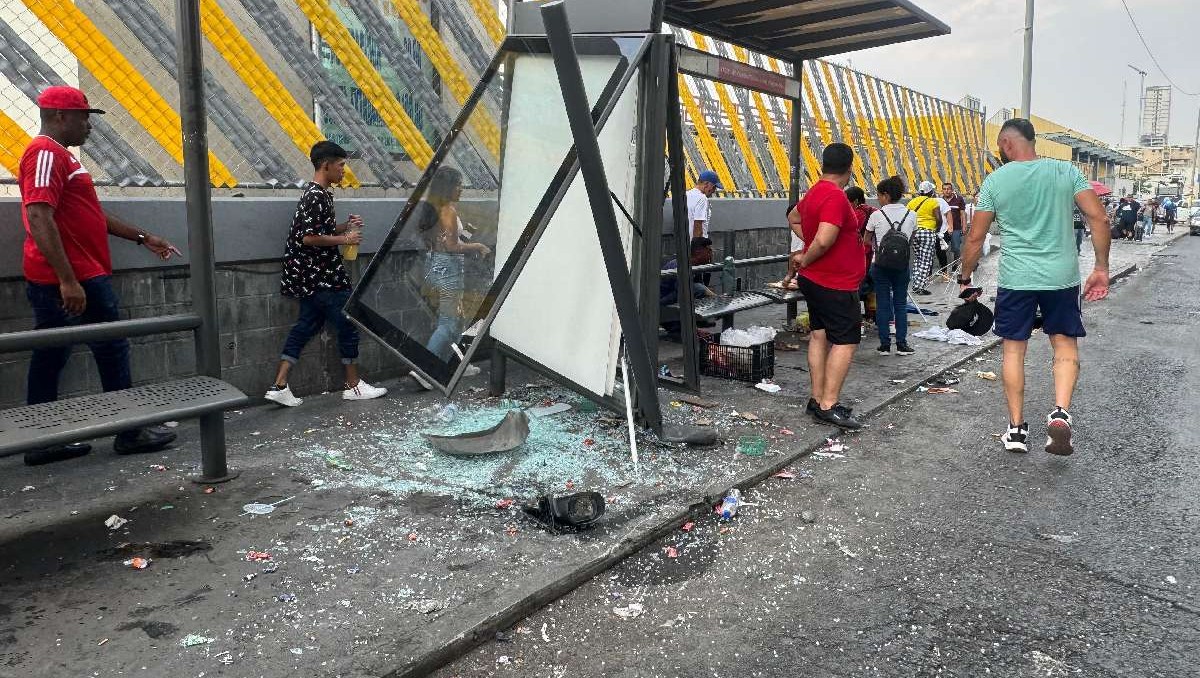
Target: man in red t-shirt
68, 269
830, 269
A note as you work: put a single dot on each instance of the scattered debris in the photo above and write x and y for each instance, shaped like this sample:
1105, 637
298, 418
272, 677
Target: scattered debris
833, 445
785, 475
629, 611
335, 461
102, 642
752, 446
808, 517
942, 391
171, 424
258, 556
693, 400
192, 640
990, 376
115, 522
687, 527
1060, 538
508, 434
286, 598
426, 605
249, 577
210, 489
899, 381
768, 386
505, 504
550, 410
1171, 579
263, 509
748, 416
353, 569
704, 422
671, 552
157, 467
588, 442
138, 563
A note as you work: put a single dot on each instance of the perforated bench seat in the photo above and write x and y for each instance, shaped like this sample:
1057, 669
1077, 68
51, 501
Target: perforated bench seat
86, 417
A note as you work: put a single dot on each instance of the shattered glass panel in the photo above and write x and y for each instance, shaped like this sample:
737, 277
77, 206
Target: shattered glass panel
437, 275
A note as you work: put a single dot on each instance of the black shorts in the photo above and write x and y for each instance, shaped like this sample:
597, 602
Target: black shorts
838, 312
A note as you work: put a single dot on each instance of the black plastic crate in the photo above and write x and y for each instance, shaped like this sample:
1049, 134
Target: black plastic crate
750, 363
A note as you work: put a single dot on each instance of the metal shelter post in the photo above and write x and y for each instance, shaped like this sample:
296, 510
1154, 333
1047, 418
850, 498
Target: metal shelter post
653, 80
682, 230
591, 165
198, 193
796, 138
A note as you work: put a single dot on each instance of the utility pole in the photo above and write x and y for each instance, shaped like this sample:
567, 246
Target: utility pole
1124, 100
1196, 159
1141, 100
1027, 64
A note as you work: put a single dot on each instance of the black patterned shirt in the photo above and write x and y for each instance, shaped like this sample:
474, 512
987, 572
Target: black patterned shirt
307, 268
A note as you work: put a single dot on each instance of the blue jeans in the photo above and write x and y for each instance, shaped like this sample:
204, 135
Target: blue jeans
956, 238
315, 310
445, 275
46, 365
891, 302
1149, 223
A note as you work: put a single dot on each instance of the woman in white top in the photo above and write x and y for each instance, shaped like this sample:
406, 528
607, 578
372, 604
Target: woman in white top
890, 269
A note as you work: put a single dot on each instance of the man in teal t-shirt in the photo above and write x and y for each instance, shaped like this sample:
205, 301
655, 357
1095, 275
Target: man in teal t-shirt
1031, 199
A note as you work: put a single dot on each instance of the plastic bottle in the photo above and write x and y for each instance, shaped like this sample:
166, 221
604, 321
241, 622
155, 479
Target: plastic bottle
728, 276
448, 413
729, 507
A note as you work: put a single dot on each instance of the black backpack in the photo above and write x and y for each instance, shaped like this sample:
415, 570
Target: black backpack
893, 250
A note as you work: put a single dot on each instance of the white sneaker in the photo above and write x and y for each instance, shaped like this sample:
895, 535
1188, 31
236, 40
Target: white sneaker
283, 396
1016, 438
363, 391
421, 381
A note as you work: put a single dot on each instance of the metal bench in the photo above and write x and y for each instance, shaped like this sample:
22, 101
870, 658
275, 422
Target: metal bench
723, 307
782, 296
86, 417
75, 419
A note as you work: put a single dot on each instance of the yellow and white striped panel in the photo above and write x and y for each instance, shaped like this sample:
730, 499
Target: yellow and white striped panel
97, 54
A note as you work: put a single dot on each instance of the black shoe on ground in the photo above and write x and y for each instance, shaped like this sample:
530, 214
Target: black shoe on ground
922, 291
49, 455
904, 349
839, 416
884, 349
812, 406
142, 440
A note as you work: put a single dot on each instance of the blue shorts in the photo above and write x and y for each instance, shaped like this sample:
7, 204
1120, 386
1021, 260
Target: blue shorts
1016, 311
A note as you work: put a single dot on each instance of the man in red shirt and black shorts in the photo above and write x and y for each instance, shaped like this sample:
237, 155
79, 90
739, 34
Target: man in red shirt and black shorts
67, 264
830, 269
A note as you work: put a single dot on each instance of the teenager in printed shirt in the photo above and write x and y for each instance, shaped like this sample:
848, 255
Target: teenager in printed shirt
314, 274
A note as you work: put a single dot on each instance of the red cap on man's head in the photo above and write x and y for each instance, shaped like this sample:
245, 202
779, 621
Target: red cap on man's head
65, 98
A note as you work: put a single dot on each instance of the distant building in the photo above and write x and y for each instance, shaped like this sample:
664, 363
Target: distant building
1156, 117
971, 103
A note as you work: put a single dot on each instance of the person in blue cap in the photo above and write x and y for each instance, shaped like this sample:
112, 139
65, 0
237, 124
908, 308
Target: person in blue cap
699, 211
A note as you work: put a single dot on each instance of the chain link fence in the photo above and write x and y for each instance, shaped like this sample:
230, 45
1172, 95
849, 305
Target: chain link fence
384, 78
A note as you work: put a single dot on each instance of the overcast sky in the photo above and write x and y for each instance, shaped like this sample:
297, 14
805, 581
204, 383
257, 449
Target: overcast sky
1080, 52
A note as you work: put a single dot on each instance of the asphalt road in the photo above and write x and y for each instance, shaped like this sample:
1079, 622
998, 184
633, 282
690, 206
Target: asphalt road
926, 550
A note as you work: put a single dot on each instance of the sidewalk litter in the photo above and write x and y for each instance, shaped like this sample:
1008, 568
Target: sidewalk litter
953, 337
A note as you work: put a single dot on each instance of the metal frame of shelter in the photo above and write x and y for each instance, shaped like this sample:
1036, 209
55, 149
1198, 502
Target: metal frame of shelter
559, 25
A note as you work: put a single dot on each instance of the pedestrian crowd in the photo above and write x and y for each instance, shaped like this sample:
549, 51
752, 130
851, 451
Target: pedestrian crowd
844, 249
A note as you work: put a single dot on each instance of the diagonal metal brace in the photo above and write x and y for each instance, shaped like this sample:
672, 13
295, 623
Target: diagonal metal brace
591, 165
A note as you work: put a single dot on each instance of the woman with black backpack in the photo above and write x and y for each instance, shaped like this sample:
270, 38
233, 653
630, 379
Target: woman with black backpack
892, 227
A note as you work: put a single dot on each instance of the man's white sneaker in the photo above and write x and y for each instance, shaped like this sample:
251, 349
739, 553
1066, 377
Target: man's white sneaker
421, 381
283, 396
363, 391
1016, 439
1058, 432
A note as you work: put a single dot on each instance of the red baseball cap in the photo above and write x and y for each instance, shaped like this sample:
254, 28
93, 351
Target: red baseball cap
65, 98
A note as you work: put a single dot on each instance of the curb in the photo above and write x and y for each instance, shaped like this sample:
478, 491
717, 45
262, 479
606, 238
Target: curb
660, 524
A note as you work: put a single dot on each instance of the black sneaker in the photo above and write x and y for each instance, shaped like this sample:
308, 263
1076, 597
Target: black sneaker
884, 349
49, 455
839, 416
141, 440
922, 291
1016, 439
812, 406
904, 349
1058, 432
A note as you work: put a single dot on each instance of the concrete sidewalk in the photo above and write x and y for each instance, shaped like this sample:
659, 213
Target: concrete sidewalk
385, 558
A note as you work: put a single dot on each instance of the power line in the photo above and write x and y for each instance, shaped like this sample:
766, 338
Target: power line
1152, 57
